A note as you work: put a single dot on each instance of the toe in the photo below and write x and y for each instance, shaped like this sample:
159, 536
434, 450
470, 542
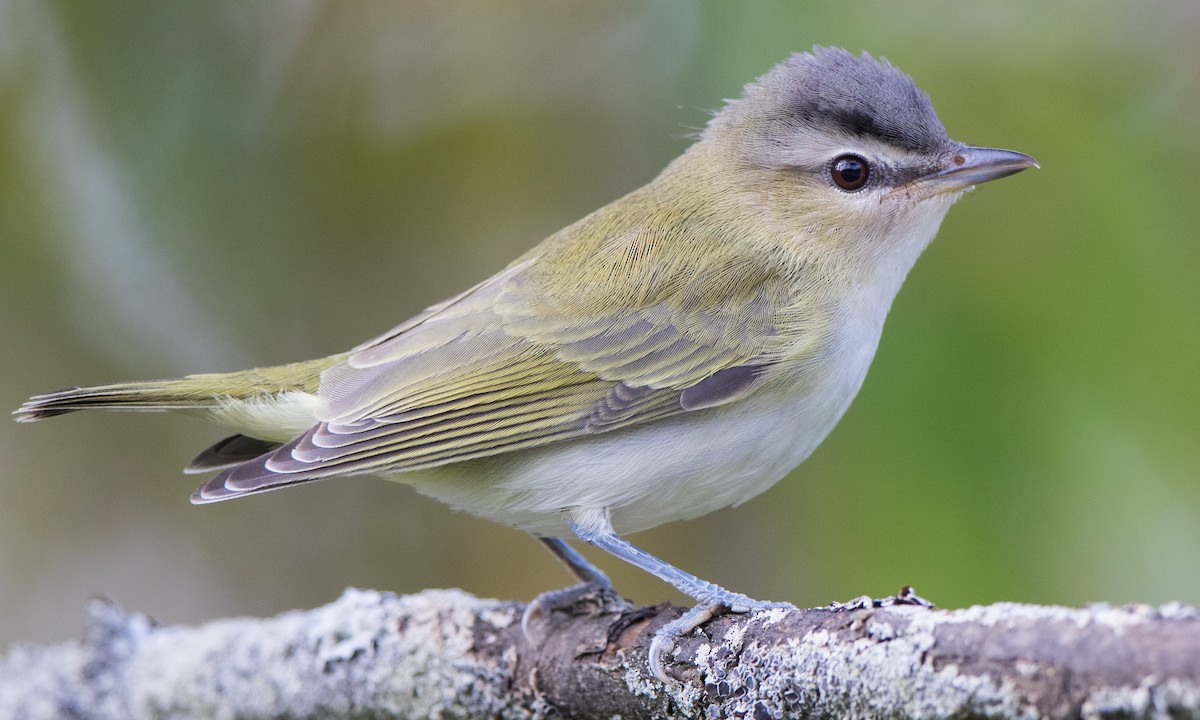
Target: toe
664, 639
546, 603
533, 612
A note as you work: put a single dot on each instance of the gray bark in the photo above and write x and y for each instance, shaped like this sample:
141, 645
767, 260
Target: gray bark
446, 654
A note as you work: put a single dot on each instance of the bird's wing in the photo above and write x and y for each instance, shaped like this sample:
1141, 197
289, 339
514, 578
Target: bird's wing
523, 360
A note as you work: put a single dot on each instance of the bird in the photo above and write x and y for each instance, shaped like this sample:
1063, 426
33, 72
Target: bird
677, 351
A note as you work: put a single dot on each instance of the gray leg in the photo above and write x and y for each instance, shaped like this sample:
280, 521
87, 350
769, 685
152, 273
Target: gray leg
712, 599
592, 582
579, 566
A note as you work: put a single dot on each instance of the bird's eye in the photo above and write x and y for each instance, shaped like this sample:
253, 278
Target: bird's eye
849, 172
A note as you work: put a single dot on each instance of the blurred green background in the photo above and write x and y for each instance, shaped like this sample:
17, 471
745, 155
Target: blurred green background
192, 187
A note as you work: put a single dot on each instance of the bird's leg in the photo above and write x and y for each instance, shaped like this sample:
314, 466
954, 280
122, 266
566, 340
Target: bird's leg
592, 581
712, 600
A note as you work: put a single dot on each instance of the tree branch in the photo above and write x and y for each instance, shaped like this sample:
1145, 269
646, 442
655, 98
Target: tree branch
447, 654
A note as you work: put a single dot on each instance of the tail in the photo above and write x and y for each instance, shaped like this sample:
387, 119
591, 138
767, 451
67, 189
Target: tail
264, 406
194, 392
152, 395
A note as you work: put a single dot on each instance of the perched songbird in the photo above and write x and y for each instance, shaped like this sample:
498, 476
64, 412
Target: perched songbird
675, 352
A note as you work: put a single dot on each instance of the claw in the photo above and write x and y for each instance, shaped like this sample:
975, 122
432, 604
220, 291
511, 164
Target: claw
547, 602
664, 639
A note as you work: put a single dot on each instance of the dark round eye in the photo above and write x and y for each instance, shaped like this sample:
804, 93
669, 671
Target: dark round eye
849, 172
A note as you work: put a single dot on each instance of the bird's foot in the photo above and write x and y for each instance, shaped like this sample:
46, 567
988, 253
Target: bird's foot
720, 603
601, 594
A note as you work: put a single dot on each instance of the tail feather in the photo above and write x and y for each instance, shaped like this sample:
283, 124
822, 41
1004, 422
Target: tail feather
143, 396
194, 392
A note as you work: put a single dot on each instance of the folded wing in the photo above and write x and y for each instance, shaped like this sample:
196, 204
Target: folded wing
512, 364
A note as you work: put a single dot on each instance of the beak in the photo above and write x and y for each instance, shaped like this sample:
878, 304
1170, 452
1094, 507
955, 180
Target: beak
971, 166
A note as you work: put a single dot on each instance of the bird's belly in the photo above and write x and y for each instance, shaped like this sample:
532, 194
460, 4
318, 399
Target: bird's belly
671, 469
